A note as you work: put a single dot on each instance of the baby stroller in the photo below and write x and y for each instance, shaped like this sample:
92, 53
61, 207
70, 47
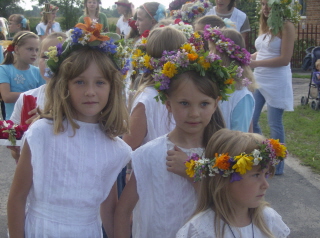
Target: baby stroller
314, 85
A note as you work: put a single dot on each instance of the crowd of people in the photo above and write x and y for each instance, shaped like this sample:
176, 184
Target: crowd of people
155, 134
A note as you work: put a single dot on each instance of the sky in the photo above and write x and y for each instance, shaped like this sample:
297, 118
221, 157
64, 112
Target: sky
105, 3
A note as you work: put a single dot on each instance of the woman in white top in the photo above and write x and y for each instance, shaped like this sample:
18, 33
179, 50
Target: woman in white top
227, 9
272, 71
48, 23
125, 9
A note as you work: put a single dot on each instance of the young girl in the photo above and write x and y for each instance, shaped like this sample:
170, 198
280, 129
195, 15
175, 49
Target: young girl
229, 45
125, 9
92, 10
232, 189
163, 201
72, 156
17, 74
213, 21
48, 23
17, 23
272, 70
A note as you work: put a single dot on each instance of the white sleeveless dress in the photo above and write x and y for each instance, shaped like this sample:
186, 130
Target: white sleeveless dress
274, 83
72, 176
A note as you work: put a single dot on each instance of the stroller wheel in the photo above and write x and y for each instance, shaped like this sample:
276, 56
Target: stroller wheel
314, 105
317, 105
304, 100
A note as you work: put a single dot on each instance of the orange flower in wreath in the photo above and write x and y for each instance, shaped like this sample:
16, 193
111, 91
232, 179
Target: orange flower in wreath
94, 29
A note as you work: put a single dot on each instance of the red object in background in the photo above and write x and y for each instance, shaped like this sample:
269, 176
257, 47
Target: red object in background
29, 103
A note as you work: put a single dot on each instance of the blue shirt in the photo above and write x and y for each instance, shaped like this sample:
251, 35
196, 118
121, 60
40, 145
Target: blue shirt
242, 114
19, 81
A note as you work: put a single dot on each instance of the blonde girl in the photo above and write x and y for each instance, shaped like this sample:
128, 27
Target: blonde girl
272, 70
16, 23
17, 74
238, 110
78, 136
162, 201
48, 23
231, 194
126, 11
92, 10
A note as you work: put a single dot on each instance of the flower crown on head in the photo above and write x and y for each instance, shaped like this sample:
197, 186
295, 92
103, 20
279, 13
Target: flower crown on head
281, 10
81, 35
271, 152
198, 9
224, 44
185, 28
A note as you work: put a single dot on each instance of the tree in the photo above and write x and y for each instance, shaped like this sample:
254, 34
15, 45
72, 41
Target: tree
249, 7
70, 10
8, 7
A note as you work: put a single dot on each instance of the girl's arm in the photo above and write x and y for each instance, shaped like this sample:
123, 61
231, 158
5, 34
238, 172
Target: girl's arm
254, 56
125, 206
138, 127
20, 187
107, 210
7, 95
287, 44
118, 31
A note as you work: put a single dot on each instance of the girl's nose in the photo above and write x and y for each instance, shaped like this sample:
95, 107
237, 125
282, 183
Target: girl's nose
194, 112
89, 91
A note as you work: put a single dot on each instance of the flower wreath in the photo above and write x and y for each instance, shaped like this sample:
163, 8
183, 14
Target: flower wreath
281, 10
198, 9
271, 152
80, 36
224, 44
185, 28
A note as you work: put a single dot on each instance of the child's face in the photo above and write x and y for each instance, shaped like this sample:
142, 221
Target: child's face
89, 94
222, 5
28, 52
251, 189
42, 60
92, 5
265, 8
13, 26
144, 22
318, 66
191, 109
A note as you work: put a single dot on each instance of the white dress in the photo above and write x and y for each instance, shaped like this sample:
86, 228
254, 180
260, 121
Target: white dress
72, 176
39, 93
123, 26
159, 121
202, 226
274, 83
166, 200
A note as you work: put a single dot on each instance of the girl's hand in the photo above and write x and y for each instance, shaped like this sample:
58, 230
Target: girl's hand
254, 56
35, 115
253, 64
176, 161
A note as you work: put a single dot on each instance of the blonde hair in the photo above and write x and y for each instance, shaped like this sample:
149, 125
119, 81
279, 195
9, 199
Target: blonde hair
317, 64
52, 36
212, 20
159, 40
247, 72
209, 88
86, 11
113, 119
45, 16
214, 191
19, 39
17, 18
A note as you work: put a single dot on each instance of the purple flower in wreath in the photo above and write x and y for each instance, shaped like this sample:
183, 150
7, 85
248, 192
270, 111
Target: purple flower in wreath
76, 34
59, 49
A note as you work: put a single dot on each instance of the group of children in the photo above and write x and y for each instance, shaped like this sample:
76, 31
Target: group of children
190, 177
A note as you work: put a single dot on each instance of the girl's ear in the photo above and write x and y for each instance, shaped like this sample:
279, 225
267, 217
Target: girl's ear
168, 105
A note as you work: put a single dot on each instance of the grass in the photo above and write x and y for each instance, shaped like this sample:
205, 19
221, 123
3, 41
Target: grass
302, 134
302, 76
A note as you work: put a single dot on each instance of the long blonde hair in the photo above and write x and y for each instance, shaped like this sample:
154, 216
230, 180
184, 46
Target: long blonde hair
113, 119
214, 193
86, 11
247, 72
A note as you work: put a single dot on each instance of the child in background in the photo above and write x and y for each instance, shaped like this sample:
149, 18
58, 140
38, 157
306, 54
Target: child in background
229, 45
72, 155
92, 10
17, 23
126, 10
163, 201
17, 74
212, 20
39, 93
48, 23
2, 37
316, 74
233, 184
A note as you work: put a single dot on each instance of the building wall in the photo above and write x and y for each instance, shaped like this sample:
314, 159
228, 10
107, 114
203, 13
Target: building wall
313, 12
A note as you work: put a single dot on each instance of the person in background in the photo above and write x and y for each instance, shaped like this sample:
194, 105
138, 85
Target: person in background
227, 9
16, 23
92, 10
48, 23
2, 37
126, 10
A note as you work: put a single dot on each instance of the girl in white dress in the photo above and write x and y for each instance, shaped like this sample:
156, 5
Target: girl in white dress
233, 184
71, 156
162, 201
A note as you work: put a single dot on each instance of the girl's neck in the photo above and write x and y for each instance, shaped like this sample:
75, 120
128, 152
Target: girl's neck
92, 15
242, 217
224, 11
21, 65
184, 140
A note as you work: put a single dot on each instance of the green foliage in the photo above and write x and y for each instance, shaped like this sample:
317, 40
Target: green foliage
249, 8
8, 7
302, 134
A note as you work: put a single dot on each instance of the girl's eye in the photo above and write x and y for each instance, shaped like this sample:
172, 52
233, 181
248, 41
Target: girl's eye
204, 104
256, 175
79, 82
100, 83
184, 103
